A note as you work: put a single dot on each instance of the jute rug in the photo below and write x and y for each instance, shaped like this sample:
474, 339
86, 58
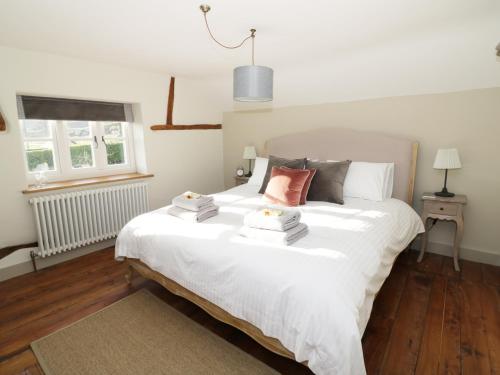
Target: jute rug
141, 335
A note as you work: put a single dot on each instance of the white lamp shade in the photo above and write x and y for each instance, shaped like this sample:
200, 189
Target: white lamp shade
447, 159
249, 153
253, 83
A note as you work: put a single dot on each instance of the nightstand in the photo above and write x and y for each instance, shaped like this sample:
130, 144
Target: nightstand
240, 180
448, 209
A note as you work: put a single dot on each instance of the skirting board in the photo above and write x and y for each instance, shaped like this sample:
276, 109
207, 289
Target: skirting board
27, 267
467, 254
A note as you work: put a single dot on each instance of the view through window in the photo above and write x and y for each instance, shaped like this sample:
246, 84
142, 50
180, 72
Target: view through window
68, 149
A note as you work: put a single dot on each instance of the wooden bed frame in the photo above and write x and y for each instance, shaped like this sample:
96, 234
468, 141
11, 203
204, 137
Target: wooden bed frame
384, 148
269, 343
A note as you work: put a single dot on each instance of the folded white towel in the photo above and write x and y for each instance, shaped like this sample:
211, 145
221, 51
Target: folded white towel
194, 216
193, 201
272, 219
273, 236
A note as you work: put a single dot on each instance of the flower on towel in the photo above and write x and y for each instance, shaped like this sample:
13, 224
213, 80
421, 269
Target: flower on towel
191, 195
269, 212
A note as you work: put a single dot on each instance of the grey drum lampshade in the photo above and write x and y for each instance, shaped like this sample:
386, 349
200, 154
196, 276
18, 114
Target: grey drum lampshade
253, 83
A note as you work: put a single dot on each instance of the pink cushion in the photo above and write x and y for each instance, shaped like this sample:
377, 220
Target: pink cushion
307, 185
286, 185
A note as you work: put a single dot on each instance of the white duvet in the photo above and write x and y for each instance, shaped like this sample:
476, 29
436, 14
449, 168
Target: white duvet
315, 296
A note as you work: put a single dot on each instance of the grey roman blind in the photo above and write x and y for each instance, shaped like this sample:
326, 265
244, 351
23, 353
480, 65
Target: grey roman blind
45, 108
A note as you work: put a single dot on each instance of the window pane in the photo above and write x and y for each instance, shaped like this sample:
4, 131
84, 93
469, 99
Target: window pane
40, 156
78, 128
115, 151
36, 129
113, 129
81, 154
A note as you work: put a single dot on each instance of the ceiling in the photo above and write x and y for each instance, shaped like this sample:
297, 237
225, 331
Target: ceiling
169, 36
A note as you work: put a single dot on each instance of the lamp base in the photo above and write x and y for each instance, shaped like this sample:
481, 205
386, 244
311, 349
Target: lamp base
444, 193
249, 174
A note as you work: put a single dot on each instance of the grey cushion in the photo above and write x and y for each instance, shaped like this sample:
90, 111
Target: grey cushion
275, 161
328, 183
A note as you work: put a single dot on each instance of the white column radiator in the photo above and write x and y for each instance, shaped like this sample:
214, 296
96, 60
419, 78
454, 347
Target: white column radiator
70, 220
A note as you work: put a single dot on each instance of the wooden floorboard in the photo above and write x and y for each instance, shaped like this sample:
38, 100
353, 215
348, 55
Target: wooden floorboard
473, 339
385, 308
490, 274
472, 272
449, 356
430, 345
22, 363
426, 319
448, 269
490, 304
404, 342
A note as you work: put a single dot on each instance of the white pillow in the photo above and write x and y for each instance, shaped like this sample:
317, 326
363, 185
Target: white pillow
373, 181
389, 181
259, 171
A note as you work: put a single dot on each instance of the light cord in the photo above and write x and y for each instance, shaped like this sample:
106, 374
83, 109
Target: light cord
252, 36
253, 46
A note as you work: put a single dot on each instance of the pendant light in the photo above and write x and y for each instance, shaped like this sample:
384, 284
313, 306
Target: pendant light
251, 83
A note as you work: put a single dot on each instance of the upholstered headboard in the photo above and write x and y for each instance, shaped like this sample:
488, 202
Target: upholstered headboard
346, 144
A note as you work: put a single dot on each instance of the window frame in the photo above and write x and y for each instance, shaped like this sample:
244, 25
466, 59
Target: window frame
62, 155
50, 174
65, 152
127, 135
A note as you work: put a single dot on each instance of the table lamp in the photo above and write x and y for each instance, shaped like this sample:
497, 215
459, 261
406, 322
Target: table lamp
446, 159
250, 154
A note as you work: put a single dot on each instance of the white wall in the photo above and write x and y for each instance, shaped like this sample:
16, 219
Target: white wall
180, 160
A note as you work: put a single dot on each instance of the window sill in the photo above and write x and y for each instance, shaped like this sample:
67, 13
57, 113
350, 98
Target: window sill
59, 185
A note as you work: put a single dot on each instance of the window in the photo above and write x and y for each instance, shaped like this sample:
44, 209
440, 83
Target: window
79, 137
114, 139
39, 145
76, 149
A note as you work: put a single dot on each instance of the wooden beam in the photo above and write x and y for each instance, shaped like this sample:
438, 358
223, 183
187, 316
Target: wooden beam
186, 127
169, 125
4, 251
2, 123
170, 103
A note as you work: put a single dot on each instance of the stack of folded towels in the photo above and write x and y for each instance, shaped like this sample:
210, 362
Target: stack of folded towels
193, 207
277, 226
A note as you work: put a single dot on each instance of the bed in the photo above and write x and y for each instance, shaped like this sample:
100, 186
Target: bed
310, 301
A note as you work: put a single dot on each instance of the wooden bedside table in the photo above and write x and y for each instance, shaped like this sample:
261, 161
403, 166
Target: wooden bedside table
448, 209
240, 180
